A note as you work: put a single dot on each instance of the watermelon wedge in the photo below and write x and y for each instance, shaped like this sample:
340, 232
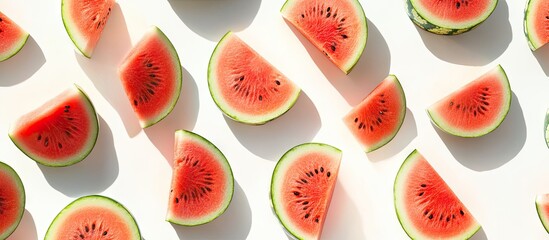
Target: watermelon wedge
542, 207
535, 23
449, 17
202, 181
301, 188
12, 200
476, 109
377, 119
12, 38
547, 128
426, 206
245, 86
338, 28
61, 132
152, 75
84, 21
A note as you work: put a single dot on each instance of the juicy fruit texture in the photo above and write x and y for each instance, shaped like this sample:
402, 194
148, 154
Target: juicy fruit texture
95, 218
12, 200
449, 17
377, 119
12, 38
61, 132
426, 207
338, 28
84, 21
301, 188
476, 109
202, 181
536, 21
245, 86
542, 207
152, 75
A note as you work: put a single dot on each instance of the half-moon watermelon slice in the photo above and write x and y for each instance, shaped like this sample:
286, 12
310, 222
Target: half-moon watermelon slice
449, 17
245, 86
426, 206
12, 200
12, 38
476, 109
202, 181
377, 119
61, 132
542, 207
338, 28
536, 20
301, 188
84, 21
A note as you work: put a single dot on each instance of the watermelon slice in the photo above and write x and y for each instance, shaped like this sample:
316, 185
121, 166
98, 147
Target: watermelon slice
12, 38
61, 132
449, 17
12, 200
84, 21
377, 119
301, 188
245, 86
476, 109
94, 217
535, 23
202, 181
542, 207
547, 128
338, 28
152, 75
426, 207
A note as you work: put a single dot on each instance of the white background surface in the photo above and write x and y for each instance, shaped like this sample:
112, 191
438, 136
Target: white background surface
496, 176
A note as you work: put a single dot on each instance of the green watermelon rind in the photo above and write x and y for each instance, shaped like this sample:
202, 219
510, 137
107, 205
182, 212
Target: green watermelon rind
295, 150
227, 168
16, 49
546, 132
430, 25
532, 42
489, 128
111, 203
88, 148
71, 34
22, 196
232, 113
408, 228
542, 217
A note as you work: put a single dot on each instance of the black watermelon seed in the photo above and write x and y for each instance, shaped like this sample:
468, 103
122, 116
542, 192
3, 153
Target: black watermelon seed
306, 202
344, 36
316, 220
458, 4
87, 229
461, 212
296, 193
328, 174
277, 82
356, 119
316, 171
421, 194
426, 212
149, 65
260, 98
93, 226
81, 236
39, 137
328, 9
371, 128
46, 141
328, 15
343, 20
66, 110
194, 164
307, 174
304, 181
60, 145
447, 219
333, 48
208, 189
307, 215
150, 91
321, 169
311, 173
105, 233
431, 216
152, 75
176, 200
1, 20
135, 102
302, 16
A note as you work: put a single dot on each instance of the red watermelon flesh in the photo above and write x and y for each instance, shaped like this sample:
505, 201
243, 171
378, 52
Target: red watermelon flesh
542, 207
455, 10
536, 23
12, 200
12, 37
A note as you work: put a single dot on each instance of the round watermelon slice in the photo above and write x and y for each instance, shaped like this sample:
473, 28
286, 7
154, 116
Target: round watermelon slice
338, 28
542, 207
84, 21
152, 75
377, 119
245, 86
202, 181
449, 17
61, 132
301, 188
476, 109
94, 217
426, 206
12, 38
12, 200
536, 19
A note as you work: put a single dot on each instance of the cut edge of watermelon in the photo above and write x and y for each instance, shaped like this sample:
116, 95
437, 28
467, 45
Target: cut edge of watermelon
400, 207
546, 133
441, 124
544, 218
16, 47
285, 161
22, 197
181, 134
534, 42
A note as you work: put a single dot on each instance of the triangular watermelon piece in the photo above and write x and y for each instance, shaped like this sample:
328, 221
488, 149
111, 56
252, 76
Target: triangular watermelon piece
12, 38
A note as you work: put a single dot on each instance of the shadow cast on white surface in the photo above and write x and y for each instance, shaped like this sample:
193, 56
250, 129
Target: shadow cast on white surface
211, 19
235, 223
26, 229
23, 65
342, 220
92, 175
407, 133
478, 47
300, 124
494, 149
542, 55
480, 235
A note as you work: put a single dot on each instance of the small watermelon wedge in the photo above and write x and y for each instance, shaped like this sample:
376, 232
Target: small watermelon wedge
245, 86
477, 108
547, 128
535, 23
61, 132
202, 182
152, 76
377, 119
301, 188
84, 21
338, 28
426, 206
542, 207
12, 38
12, 200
